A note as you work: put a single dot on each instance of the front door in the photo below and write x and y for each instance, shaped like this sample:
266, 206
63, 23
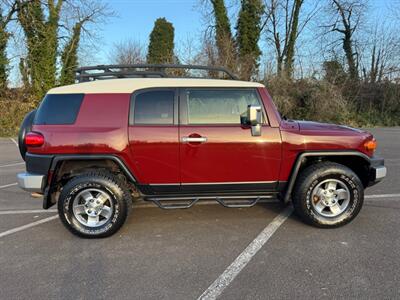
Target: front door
217, 153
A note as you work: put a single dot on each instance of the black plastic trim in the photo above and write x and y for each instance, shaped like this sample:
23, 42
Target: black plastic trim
58, 158
155, 189
129, 70
299, 160
25, 127
376, 162
114, 158
184, 196
38, 163
212, 188
228, 187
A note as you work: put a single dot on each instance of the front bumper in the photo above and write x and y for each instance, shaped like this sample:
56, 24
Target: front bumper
377, 170
31, 182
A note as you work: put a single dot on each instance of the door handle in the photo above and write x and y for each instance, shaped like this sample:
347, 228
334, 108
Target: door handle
187, 139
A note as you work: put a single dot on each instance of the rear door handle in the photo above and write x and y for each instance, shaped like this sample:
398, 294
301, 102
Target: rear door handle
187, 139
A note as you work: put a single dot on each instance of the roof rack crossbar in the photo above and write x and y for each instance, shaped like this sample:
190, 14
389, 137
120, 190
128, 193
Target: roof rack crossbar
126, 71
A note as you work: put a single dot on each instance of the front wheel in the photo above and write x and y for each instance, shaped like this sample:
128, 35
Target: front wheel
328, 195
94, 205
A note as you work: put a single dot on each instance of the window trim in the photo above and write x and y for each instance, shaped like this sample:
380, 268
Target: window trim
158, 89
183, 110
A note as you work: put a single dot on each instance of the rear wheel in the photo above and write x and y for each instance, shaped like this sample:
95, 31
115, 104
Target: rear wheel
94, 205
328, 195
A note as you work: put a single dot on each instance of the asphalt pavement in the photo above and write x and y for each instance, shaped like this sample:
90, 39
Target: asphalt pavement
208, 251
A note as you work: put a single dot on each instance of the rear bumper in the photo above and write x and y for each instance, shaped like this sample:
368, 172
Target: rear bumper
37, 169
377, 170
31, 182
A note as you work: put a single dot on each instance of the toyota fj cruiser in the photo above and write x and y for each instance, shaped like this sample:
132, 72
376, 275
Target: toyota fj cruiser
94, 146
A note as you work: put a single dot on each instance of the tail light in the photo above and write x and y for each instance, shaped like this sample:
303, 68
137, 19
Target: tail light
34, 139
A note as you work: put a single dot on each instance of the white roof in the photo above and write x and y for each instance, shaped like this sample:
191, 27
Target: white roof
129, 85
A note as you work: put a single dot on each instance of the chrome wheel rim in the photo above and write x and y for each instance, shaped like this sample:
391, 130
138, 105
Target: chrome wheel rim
330, 198
92, 207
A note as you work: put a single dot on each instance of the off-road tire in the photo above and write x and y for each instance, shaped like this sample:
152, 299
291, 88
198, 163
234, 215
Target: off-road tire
104, 181
310, 177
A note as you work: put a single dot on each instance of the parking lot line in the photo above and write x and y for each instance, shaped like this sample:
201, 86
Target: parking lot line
13, 164
27, 211
381, 196
218, 286
8, 185
17, 229
14, 141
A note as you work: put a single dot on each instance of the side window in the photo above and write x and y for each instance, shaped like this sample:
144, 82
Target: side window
153, 107
219, 106
58, 109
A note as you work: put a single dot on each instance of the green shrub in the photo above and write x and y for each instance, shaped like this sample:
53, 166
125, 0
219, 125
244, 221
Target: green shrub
355, 104
309, 100
12, 113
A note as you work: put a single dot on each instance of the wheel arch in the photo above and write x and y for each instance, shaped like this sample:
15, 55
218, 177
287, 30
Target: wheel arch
358, 162
64, 166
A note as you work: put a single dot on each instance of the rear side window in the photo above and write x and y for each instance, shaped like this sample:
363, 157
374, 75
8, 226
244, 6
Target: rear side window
58, 109
219, 106
154, 107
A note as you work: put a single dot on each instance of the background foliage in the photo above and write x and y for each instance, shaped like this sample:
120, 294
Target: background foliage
325, 60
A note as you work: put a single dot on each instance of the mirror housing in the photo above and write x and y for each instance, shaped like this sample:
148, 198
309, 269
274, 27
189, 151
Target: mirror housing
254, 118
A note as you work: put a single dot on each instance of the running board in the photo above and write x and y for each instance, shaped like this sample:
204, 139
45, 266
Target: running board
226, 201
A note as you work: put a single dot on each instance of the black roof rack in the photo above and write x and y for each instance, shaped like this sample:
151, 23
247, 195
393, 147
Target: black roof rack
100, 72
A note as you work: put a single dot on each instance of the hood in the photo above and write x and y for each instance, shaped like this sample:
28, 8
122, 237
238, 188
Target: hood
316, 126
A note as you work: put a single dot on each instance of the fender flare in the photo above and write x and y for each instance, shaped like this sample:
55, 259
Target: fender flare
60, 158
300, 158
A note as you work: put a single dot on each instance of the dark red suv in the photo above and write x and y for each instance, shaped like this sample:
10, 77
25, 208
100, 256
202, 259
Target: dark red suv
94, 146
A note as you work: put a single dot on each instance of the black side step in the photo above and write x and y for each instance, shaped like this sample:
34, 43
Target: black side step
226, 201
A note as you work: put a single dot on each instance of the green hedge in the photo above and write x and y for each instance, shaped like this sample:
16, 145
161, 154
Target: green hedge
12, 113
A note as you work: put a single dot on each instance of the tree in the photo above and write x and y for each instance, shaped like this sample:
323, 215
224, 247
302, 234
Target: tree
283, 26
41, 24
127, 52
4, 36
23, 69
40, 30
248, 34
380, 57
161, 46
69, 56
85, 12
347, 15
293, 28
223, 35
333, 71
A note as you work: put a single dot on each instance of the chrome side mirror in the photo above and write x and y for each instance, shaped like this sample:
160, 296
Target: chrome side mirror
254, 117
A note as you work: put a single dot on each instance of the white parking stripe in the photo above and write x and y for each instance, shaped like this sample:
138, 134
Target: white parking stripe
11, 165
8, 185
27, 211
145, 204
30, 225
218, 286
381, 196
14, 141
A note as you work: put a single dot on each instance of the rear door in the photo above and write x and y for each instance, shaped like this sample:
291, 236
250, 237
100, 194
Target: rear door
217, 153
154, 140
